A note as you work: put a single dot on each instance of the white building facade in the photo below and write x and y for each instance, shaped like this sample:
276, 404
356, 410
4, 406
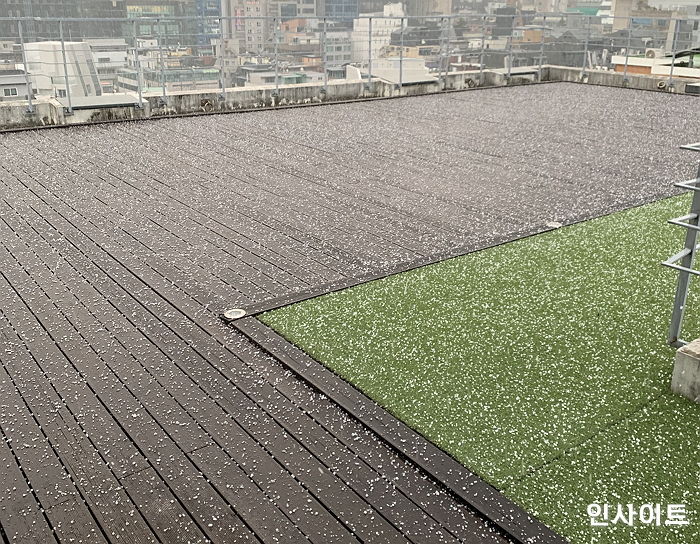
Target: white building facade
111, 56
338, 47
51, 76
382, 28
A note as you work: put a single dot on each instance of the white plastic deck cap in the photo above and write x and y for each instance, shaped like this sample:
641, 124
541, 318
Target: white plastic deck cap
233, 314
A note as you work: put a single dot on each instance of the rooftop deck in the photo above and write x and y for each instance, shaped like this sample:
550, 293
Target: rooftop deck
128, 408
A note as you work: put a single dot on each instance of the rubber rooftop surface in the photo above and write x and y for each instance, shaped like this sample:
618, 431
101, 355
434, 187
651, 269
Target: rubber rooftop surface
130, 413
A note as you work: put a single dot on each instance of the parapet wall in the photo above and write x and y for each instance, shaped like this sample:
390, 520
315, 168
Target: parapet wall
617, 79
51, 113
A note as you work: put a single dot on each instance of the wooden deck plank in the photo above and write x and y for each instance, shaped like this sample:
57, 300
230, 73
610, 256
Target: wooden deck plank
301, 461
282, 263
21, 517
236, 219
311, 439
322, 520
72, 524
215, 517
35, 455
36, 442
98, 485
352, 502
163, 453
156, 503
148, 273
51, 371
247, 203
121, 368
265, 171
268, 522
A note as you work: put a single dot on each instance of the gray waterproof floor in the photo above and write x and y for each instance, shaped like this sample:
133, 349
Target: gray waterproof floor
130, 413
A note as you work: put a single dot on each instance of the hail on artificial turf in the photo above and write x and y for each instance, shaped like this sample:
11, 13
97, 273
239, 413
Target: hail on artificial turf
540, 364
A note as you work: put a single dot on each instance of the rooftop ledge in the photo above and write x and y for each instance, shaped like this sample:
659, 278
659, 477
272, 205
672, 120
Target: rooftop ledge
51, 112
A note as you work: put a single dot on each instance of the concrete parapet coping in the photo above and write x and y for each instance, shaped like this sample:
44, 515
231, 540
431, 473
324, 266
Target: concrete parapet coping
50, 112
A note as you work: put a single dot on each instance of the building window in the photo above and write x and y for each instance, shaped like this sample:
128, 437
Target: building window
12, 91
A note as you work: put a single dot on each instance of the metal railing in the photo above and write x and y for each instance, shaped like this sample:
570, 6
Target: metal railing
684, 260
105, 61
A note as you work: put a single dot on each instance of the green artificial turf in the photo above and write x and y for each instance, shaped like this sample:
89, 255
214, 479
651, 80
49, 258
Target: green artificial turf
540, 364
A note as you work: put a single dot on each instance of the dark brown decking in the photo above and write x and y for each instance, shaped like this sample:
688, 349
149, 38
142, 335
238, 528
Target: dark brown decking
130, 413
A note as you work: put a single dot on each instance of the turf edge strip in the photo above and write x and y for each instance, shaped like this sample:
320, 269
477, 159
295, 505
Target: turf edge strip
433, 258
353, 281
483, 498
